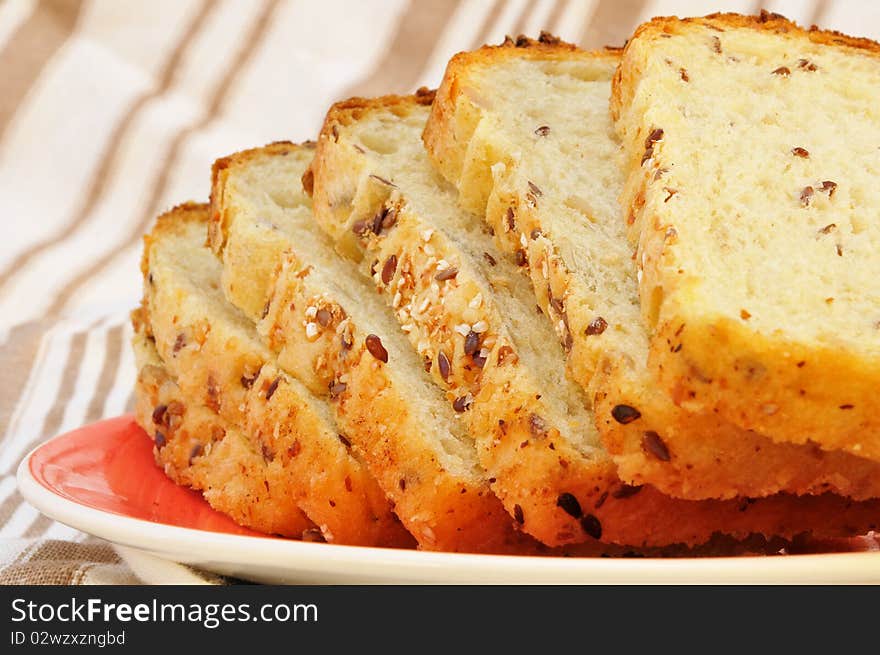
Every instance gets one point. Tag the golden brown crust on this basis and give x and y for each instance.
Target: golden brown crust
(197, 449)
(225, 371)
(700, 456)
(623, 84)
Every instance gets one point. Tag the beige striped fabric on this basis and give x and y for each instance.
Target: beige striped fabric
(111, 112)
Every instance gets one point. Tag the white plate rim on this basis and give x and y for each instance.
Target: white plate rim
(270, 560)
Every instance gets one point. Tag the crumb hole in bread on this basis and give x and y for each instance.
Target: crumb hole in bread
(375, 142)
(582, 206)
(656, 299)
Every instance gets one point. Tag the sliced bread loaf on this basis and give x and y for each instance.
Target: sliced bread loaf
(547, 180)
(329, 328)
(472, 318)
(753, 152)
(197, 449)
(219, 362)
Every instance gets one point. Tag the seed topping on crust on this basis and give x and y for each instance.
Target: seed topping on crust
(471, 343)
(443, 365)
(624, 414)
(375, 348)
(389, 268)
(626, 491)
(655, 445)
(446, 274)
(323, 316)
(569, 505)
(272, 388)
(462, 403)
(592, 526)
(159, 414)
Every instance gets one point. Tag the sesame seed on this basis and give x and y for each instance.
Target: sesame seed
(446, 273)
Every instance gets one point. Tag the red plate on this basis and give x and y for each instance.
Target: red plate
(102, 479)
(109, 466)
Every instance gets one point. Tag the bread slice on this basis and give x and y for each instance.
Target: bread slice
(219, 362)
(547, 180)
(758, 254)
(530, 424)
(197, 449)
(330, 330)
